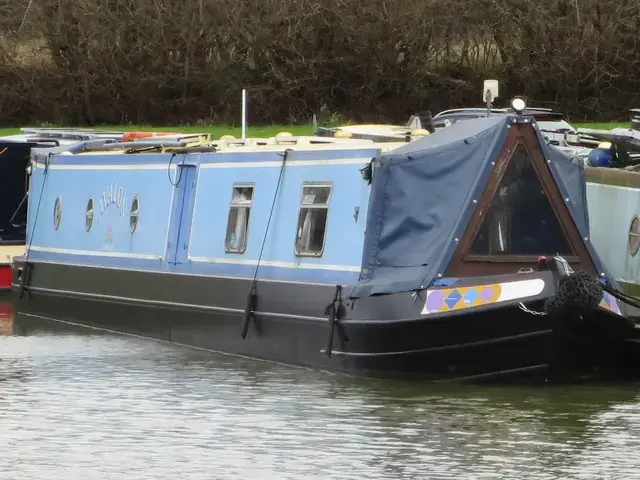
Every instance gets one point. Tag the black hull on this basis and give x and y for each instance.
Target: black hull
(289, 326)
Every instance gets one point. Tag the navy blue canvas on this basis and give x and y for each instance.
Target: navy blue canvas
(423, 196)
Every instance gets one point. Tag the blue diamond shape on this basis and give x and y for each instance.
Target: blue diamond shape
(471, 296)
(453, 298)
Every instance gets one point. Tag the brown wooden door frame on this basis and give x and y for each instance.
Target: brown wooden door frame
(465, 264)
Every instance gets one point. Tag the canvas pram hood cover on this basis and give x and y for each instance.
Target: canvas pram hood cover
(422, 199)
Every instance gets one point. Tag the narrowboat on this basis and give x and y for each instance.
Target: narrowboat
(613, 195)
(463, 255)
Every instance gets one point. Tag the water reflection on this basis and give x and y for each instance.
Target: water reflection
(6, 318)
(82, 403)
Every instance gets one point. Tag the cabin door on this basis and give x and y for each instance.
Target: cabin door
(181, 214)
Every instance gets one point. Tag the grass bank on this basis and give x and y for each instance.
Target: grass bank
(256, 131)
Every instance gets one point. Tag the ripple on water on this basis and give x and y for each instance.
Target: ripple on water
(76, 404)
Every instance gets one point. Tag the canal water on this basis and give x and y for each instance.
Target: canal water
(80, 403)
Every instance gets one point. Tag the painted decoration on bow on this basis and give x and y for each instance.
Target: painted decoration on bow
(608, 302)
(452, 299)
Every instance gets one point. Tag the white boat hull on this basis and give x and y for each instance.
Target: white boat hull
(613, 198)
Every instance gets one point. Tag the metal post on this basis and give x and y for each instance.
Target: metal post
(487, 98)
(244, 114)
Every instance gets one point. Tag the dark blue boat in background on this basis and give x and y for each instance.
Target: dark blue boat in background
(462, 255)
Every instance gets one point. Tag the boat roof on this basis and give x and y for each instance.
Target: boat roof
(425, 192)
(202, 144)
(59, 136)
(22, 138)
(541, 115)
(529, 111)
(624, 138)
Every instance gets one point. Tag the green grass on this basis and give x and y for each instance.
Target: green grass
(216, 131)
(256, 131)
(603, 125)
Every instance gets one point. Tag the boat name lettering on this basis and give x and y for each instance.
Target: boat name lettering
(113, 195)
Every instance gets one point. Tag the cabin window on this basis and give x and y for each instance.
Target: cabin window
(135, 212)
(520, 219)
(88, 221)
(312, 221)
(238, 223)
(57, 213)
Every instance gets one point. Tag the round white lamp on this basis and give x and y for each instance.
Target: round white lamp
(518, 104)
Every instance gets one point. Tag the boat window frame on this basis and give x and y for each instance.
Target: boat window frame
(134, 213)
(633, 249)
(57, 212)
(493, 189)
(89, 214)
(464, 263)
(243, 249)
(326, 206)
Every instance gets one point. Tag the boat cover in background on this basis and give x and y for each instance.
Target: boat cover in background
(14, 158)
(422, 199)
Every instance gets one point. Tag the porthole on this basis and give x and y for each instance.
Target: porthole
(57, 213)
(634, 235)
(88, 221)
(135, 209)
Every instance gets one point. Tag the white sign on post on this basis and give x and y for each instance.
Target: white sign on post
(489, 91)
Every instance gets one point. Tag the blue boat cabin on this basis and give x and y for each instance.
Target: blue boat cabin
(299, 212)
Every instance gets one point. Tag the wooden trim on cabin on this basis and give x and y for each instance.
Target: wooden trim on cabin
(612, 176)
(465, 264)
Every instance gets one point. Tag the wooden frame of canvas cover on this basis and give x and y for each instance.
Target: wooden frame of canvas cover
(465, 263)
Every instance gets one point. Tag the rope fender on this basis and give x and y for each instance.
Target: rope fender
(578, 291)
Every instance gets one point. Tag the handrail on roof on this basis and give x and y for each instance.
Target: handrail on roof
(69, 134)
(68, 130)
(493, 110)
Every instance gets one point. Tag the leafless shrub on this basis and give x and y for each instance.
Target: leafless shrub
(162, 61)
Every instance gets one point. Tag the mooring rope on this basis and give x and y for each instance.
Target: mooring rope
(580, 291)
(252, 297)
(26, 267)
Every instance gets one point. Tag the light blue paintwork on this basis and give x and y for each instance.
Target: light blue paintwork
(181, 218)
(76, 186)
(195, 212)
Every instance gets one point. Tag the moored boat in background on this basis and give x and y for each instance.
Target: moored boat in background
(461, 255)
